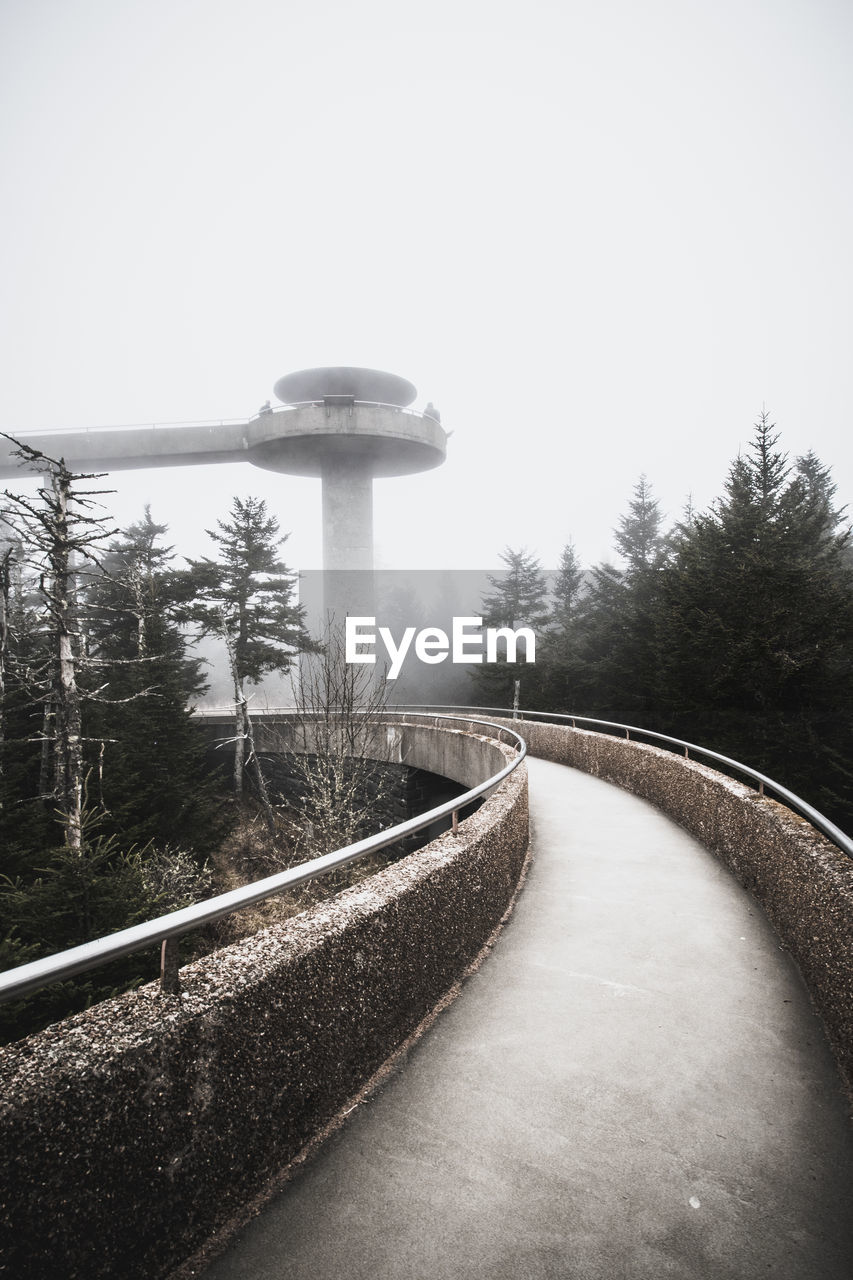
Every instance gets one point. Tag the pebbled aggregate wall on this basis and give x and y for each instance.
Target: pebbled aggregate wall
(134, 1130)
(802, 880)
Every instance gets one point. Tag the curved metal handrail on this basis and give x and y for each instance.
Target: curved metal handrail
(26, 978)
(795, 802)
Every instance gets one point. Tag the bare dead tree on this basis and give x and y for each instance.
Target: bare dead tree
(342, 748)
(245, 753)
(62, 534)
(9, 559)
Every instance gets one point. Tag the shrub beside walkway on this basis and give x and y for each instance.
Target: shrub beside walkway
(632, 1085)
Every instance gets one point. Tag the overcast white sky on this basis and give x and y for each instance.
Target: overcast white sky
(599, 236)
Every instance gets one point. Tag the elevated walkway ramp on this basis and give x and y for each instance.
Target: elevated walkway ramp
(632, 1085)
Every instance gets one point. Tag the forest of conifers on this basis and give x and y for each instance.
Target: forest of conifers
(733, 629)
(109, 804)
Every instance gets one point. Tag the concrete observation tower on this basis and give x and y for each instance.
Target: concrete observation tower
(347, 426)
(342, 425)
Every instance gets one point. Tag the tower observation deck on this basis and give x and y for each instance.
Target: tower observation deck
(343, 425)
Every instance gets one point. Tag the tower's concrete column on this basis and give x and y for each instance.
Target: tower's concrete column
(347, 426)
(347, 513)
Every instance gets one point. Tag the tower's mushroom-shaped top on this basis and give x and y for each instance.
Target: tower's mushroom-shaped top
(340, 417)
(361, 384)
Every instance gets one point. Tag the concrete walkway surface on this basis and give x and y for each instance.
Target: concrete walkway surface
(632, 1085)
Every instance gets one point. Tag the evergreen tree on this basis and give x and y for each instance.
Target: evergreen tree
(557, 658)
(638, 536)
(246, 597)
(568, 587)
(755, 629)
(73, 896)
(616, 668)
(519, 598)
(153, 781)
(520, 593)
(602, 676)
(819, 492)
(27, 807)
(70, 634)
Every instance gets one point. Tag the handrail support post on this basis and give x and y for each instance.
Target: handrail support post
(170, 963)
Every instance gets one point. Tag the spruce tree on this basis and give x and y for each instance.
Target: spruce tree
(755, 629)
(73, 664)
(246, 597)
(638, 536)
(557, 658)
(615, 651)
(153, 783)
(519, 598)
(568, 587)
(27, 806)
(602, 676)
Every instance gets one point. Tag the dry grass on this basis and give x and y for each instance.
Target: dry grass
(250, 852)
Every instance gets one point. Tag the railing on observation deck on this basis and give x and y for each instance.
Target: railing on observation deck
(807, 811)
(224, 422)
(166, 930)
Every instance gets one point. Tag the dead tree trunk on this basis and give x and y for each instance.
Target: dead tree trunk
(56, 528)
(68, 728)
(6, 556)
(245, 756)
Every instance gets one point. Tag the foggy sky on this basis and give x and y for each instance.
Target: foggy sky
(600, 237)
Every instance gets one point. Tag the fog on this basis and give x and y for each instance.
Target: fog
(598, 237)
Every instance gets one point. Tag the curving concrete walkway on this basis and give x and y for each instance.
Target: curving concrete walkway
(632, 1085)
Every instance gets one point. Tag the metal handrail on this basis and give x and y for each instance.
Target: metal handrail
(129, 426)
(795, 802)
(211, 422)
(26, 978)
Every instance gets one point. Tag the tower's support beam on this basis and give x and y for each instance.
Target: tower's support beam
(133, 448)
(343, 425)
